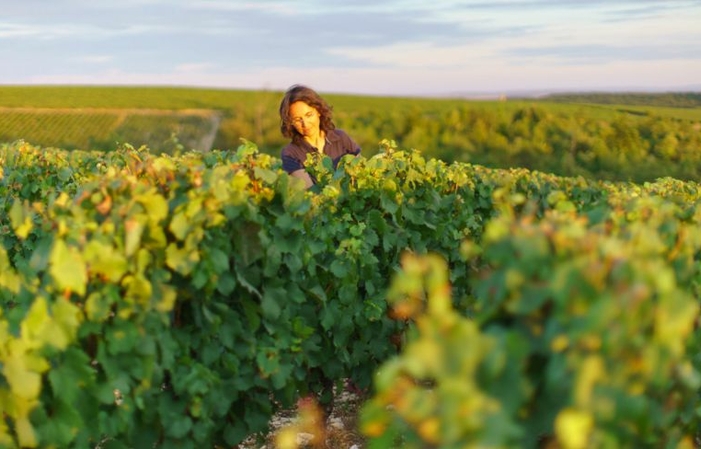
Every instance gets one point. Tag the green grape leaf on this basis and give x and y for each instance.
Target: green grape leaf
(270, 303)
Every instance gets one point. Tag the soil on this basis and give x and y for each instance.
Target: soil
(340, 429)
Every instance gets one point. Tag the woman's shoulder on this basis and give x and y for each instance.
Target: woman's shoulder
(291, 148)
(341, 139)
(339, 134)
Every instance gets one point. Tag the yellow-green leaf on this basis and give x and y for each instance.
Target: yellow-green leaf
(572, 428)
(21, 220)
(105, 260)
(168, 295)
(182, 260)
(67, 317)
(179, 226)
(155, 205)
(34, 323)
(25, 433)
(23, 382)
(133, 229)
(68, 268)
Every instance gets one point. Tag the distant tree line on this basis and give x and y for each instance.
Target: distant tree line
(667, 99)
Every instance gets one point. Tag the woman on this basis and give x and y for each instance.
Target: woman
(306, 119)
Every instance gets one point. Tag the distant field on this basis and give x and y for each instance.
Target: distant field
(267, 101)
(103, 128)
(124, 97)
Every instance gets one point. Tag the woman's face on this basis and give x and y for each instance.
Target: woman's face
(304, 118)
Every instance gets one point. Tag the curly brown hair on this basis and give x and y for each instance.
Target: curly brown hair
(307, 95)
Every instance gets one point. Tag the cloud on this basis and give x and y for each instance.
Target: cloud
(16, 30)
(415, 55)
(94, 59)
(74, 30)
(195, 67)
(267, 7)
(599, 54)
(38, 31)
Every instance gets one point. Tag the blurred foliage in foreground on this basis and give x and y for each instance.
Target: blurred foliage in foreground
(178, 301)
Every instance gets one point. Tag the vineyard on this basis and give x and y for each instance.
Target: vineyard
(180, 300)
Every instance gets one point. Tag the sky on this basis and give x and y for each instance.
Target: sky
(406, 48)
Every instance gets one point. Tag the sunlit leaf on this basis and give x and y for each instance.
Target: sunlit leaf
(67, 268)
